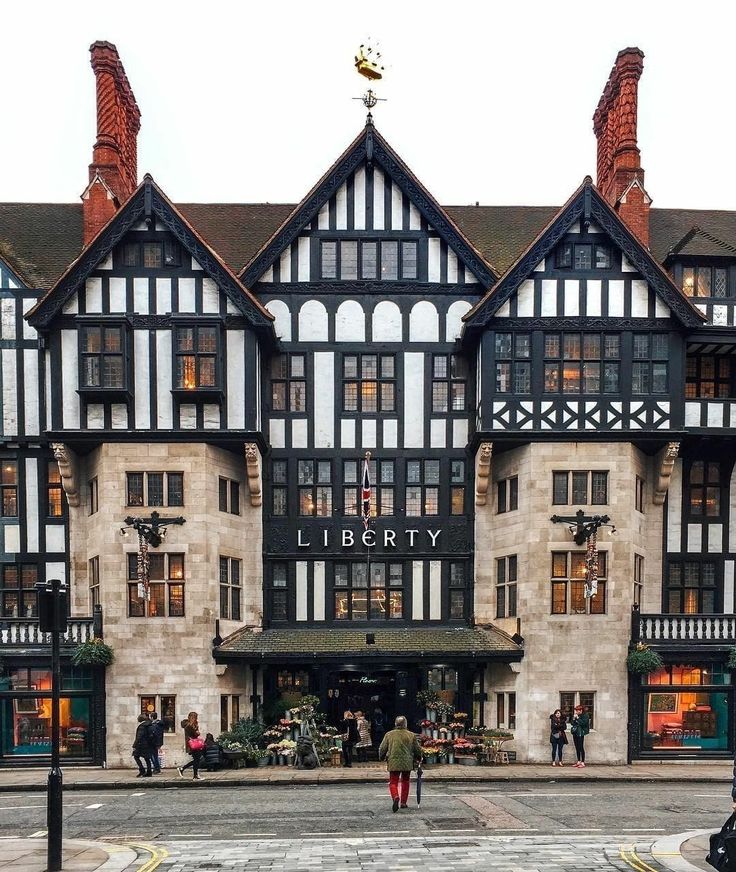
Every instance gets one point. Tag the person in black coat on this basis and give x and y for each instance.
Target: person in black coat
(212, 753)
(350, 736)
(378, 724)
(142, 746)
(156, 731)
(557, 736)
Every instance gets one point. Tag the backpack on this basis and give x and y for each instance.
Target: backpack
(722, 853)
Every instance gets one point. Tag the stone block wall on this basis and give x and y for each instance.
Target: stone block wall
(167, 655)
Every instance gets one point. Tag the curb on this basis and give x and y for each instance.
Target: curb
(119, 857)
(206, 784)
(667, 850)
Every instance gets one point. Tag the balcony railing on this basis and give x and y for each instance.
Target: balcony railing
(19, 633)
(664, 629)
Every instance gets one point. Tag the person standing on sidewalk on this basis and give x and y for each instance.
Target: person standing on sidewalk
(364, 732)
(350, 736)
(557, 735)
(142, 745)
(156, 730)
(580, 729)
(193, 744)
(400, 749)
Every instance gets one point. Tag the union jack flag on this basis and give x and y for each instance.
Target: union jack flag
(365, 495)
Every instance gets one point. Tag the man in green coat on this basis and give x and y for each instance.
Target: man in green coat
(400, 749)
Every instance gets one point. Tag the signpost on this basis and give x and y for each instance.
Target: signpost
(52, 612)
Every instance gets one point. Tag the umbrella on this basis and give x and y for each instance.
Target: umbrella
(419, 784)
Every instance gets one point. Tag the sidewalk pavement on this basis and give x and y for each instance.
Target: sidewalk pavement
(694, 850)
(29, 855)
(93, 778)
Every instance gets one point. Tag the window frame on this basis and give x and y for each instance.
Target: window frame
(586, 698)
(163, 586)
(103, 391)
(429, 489)
(352, 590)
(20, 590)
(158, 707)
(230, 489)
(644, 366)
(361, 381)
(288, 381)
(507, 574)
(283, 591)
(723, 385)
(319, 493)
(696, 563)
(93, 579)
(568, 584)
(9, 489)
(516, 356)
(197, 391)
(231, 588)
(507, 494)
(383, 487)
(560, 357)
(573, 478)
(166, 489)
(704, 489)
(406, 266)
(447, 383)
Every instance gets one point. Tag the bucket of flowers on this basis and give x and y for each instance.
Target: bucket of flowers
(430, 700)
(430, 753)
(466, 752)
(447, 750)
(426, 726)
(445, 711)
(273, 750)
(287, 748)
(335, 755)
(456, 729)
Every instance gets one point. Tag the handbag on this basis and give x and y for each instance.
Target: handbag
(196, 744)
(722, 853)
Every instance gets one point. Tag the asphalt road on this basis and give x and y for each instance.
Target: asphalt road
(363, 810)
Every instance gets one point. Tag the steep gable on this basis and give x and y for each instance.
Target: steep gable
(650, 294)
(369, 191)
(148, 206)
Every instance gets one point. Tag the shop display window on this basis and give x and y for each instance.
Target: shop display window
(25, 725)
(682, 711)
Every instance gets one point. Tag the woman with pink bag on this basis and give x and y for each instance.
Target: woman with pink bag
(193, 744)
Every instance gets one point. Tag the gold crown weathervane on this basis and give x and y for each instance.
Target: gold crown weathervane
(367, 64)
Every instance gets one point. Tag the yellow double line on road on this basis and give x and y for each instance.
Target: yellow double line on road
(157, 855)
(632, 859)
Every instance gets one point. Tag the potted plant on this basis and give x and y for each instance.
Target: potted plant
(273, 751)
(263, 757)
(430, 700)
(731, 662)
(643, 661)
(465, 752)
(95, 652)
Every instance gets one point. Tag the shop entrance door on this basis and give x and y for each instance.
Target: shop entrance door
(373, 692)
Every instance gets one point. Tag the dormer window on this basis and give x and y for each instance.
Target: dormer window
(705, 281)
(582, 256)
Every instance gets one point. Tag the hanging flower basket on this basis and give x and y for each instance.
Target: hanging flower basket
(731, 662)
(643, 661)
(93, 653)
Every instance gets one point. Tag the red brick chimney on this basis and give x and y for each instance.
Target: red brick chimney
(620, 175)
(113, 173)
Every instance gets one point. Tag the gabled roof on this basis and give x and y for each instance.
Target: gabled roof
(699, 243)
(369, 146)
(586, 204)
(148, 199)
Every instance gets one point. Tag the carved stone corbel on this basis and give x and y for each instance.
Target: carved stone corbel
(66, 460)
(664, 464)
(482, 472)
(253, 467)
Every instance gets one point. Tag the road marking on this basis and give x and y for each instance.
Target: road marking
(37, 835)
(252, 835)
(583, 830)
(17, 807)
(383, 832)
(95, 805)
(334, 833)
(448, 830)
(633, 860)
(642, 830)
(157, 855)
(188, 836)
(710, 795)
(544, 793)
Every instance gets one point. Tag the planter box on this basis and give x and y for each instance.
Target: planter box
(467, 761)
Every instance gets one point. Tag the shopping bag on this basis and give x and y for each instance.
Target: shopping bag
(722, 853)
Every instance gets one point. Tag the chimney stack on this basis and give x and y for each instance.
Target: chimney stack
(620, 175)
(113, 173)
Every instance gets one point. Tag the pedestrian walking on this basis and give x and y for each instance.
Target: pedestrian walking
(580, 728)
(142, 745)
(557, 736)
(350, 737)
(400, 749)
(156, 729)
(212, 753)
(364, 737)
(193, 744)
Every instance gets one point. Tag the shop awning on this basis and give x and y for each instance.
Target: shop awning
(427, 644)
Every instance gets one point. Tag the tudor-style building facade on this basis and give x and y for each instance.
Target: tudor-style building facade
(235, 366)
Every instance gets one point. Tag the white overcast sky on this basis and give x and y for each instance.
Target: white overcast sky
(488, 102)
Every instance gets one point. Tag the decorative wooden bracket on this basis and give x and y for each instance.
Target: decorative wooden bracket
(665, 462)
(253, 467)
(66, 460)
(482, 472)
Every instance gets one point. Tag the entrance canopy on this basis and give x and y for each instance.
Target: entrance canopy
(423, 644)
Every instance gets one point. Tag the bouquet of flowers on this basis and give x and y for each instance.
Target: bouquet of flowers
(232, 745)
(464, 746)
(461, 716)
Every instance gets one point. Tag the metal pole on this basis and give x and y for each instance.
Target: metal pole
(55, 787)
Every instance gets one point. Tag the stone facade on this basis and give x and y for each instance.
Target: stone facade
(568, 652)
(167, 655)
